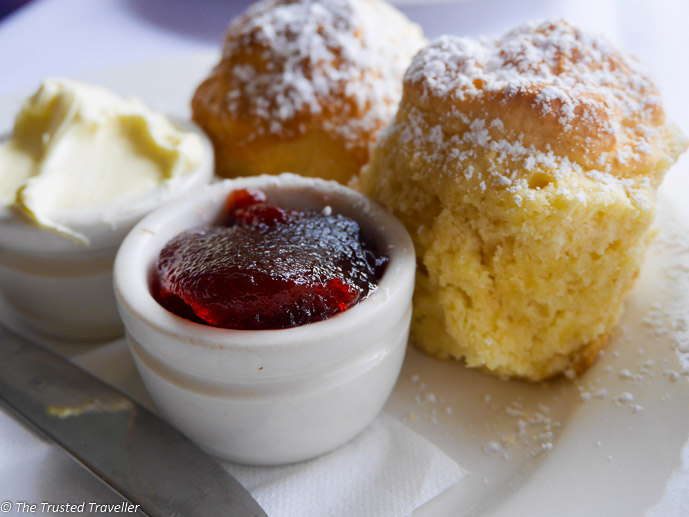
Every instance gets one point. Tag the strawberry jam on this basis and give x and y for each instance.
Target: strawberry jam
(266, 267)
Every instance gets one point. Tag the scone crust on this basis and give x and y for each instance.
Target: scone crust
(526, 171)
(551, 87)
(305, 86)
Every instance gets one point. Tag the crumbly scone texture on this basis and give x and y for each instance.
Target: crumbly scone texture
(526, 169)
(305, 86)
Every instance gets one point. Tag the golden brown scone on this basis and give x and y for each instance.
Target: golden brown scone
(526, 169)
(305, 85)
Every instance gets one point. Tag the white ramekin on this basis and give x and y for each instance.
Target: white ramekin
(268, 397)
(56, 287)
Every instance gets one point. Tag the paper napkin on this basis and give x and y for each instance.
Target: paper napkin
(386, 471)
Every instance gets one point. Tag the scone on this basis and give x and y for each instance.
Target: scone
(526, 168)
(305, 85)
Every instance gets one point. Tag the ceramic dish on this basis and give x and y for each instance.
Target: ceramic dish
(63, 289)
(269, 396)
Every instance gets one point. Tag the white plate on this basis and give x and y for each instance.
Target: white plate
(608, 457)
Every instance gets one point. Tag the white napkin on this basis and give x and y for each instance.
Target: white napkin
(675, 500)
(387, 471)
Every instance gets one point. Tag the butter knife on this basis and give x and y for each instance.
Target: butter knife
(140, 456)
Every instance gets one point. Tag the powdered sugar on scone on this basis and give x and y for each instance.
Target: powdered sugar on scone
(575, 104)
(340, 61)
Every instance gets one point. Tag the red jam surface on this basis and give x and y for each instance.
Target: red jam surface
(266, 267)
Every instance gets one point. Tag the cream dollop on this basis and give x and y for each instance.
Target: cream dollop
(77, 147)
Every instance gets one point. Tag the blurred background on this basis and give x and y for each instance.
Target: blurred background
(7, 6)
(39, 38)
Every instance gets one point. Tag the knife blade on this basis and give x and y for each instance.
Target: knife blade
(144, 459)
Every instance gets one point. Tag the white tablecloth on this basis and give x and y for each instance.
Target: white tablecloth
(71, 37)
